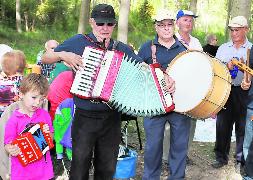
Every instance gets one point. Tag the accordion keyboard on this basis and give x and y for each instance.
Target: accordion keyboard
(84, 80)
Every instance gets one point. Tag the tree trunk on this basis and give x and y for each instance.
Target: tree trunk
(26, 22)
(123, 21)
(193, 6)
(229, 4)
(84, 16)
(241, 8)
(18, 17)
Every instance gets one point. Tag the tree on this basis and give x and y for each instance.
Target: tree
(123, 20)
(18, 16)
(193, 6)
(84, 16)
(238, 8)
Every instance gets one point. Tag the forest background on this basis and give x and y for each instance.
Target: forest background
(28, 24)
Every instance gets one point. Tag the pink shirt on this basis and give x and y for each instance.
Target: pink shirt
(39, 170)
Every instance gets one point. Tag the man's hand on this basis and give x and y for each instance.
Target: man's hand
(230, 65)
(72, 59)
(170, 83)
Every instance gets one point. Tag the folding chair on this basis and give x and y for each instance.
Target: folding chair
(127, 118)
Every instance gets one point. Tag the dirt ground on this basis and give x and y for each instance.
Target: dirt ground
(202, 156)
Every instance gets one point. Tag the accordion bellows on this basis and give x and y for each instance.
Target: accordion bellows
(134, 88)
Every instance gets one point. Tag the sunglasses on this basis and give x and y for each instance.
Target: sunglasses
(102, 24)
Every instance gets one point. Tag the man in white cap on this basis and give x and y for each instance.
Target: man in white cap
(163, 49)
(236, 106)
(185, 20)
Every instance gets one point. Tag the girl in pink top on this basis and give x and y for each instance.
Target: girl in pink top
(33, 90)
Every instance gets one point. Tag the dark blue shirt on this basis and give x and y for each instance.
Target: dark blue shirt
(163, 55)
(250, 95)
(76, 44)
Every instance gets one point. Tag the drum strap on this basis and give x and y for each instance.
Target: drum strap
(153, 52)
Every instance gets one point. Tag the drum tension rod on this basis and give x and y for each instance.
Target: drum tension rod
(223, 78)
(214, 103)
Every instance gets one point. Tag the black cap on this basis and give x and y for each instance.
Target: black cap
(103, 13)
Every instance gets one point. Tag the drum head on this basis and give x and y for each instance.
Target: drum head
(192, 72)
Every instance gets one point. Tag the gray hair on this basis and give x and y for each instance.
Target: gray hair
(209, 38)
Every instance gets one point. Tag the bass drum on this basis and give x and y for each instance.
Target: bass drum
(202, 83)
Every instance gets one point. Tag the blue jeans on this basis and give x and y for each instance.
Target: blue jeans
(179, 136)
(248, 130)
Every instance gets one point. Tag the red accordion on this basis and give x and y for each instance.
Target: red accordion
(33, 143)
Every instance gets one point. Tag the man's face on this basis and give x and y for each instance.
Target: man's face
(185, 24)
(238, 34)
(165, 28)
(102, 30)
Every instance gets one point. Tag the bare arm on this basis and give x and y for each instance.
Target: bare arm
(13, 150)
(72, 59)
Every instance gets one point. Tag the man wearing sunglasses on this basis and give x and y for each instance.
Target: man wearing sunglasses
(96, 128)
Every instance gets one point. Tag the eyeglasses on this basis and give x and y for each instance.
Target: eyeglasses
(102, 24)
(165, 25)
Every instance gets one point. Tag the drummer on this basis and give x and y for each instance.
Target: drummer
(235, 112)
(163, 49)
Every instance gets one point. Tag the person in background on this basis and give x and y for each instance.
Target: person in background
(33, 90)
(50, 45)
(163, 49)
(184, 22)
(248, 137)
(236, 105)
(10, 77)
(59, 90)
(4, 49)
(211, 45)
(96, 128)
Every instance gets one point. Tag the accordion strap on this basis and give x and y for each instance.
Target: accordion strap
(153, 52)
(115, 43)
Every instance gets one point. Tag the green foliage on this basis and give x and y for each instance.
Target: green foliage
(140, 21)
(31, 42)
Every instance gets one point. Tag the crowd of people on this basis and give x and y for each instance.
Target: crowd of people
(91, 130)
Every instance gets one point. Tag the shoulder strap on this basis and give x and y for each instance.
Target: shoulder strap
(115, 44)
(92, 41)
(153, 52)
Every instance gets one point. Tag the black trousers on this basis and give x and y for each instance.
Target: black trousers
(249, 161)
(99, 133)
(235, 113)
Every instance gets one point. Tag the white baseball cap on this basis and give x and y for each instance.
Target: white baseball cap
(163, 14)
(238, 21)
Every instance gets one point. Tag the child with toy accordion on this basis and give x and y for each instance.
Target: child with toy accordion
(33, 90)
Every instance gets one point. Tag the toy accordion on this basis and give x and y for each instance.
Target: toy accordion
(33, 143)
(133, 88)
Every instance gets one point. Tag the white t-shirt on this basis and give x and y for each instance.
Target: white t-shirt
(193, 45)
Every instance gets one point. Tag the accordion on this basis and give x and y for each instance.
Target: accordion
(134, 88)
(33, 143)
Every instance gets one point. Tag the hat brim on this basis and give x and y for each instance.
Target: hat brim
(233, 25)
(105, 20)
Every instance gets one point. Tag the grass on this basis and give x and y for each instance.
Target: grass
(30, 42)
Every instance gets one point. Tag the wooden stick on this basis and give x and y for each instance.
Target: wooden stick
(247, 63)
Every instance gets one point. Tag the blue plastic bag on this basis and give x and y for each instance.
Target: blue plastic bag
(126, 166)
